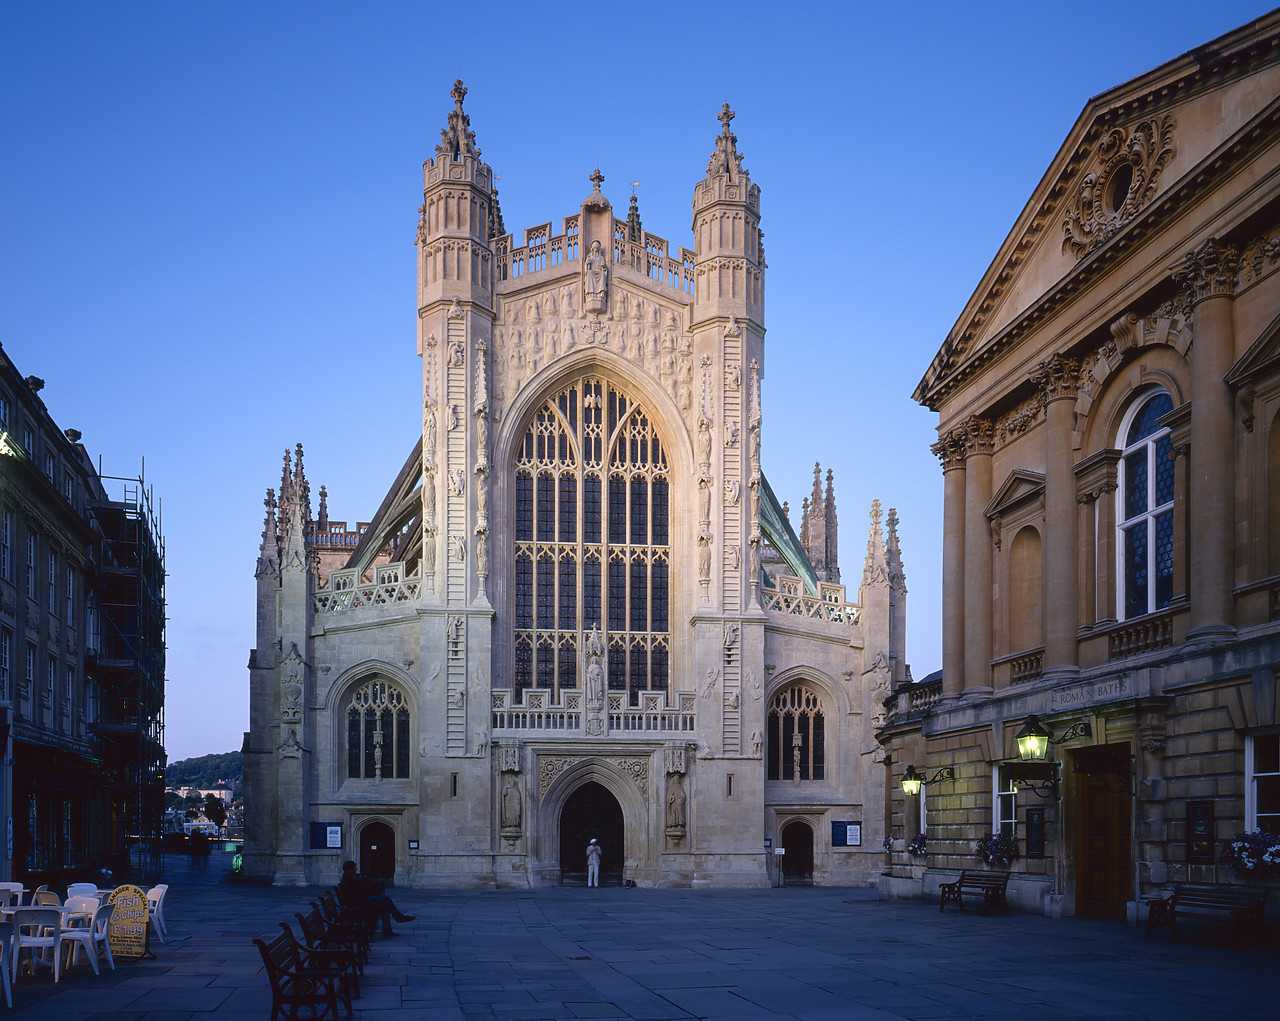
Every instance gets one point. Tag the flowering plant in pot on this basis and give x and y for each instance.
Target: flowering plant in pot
(1255, 855)
(999, 849)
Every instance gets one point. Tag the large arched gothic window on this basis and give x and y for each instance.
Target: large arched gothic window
(378, 732)
(1144, 511)
(592, 542)
(797, 738)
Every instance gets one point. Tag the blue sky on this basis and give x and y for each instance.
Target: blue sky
(210, 210)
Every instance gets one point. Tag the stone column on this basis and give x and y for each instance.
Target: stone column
(950, 451)
(1210, 275)
(1095, 493)
(978, 591)
(1058, 378)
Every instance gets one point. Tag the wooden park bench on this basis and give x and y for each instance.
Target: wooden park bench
(990, 884)
(299, 993)
(1241, 905)
(340, 959)
(321, 935)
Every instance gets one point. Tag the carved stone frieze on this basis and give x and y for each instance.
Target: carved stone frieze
(1123, 179)
(1021, 418)
(550, 767)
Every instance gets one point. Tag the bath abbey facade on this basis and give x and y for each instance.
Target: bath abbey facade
(579, 611)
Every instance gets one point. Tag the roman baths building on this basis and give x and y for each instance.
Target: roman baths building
(1109, 436)
(579, 610)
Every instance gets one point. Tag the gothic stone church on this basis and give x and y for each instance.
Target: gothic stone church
(579, 610)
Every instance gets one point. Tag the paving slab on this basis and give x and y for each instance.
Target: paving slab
(670, 955)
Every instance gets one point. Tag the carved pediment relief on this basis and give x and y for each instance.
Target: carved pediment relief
(1120, 181)
(1261, 360)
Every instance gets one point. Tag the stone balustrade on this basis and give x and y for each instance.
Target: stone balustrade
(347, 592)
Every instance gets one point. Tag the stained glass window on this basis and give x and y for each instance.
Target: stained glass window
(591, 550)
(378, 741)
(1145, 509)
(796, 724)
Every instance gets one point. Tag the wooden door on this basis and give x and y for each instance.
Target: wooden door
(1103, 835)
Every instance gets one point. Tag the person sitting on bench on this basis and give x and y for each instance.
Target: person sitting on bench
(370, 896)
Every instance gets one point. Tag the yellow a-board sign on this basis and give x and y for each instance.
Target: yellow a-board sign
(128, 931)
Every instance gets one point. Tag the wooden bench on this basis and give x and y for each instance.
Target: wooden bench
(1242, 905)
(990, 884)
(298, 993)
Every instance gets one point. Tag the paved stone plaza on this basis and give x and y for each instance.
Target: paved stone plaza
(806, 953)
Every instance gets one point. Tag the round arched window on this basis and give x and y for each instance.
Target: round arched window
(1144, 508)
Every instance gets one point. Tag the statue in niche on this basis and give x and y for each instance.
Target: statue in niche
(731, 434)
(795, 757)
(567, 339)
(429, 434)
(429, 495)
(595, 285)
(482, 496)
(732, 490)
(457, 482)
(732, 376)
(482, 439)
(704, 439)
(676, 802)
(566, 301)
(511, 808)
(429, 553)
(704, 555)
(456, 356)
(704, 497)
(595, 672)
(482, 556)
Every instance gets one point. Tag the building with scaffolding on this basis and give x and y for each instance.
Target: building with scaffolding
(82, 652)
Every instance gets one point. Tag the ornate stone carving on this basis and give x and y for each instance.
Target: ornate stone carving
(979, 434)
(511, 809)
(676, 806)
(951, 449)
(595, 280)
(292, 670)
(676, 757)
(709, 689)
(1209, 271)
(1123, 180)
(1058, 378)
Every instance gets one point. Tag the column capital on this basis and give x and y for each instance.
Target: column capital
(1209, 271)
(951, 449)
(1058, 378)
(979, 435)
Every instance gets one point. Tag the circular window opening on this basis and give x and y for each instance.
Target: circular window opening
(1118, 188)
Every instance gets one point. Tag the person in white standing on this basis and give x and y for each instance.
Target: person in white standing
(593, 862)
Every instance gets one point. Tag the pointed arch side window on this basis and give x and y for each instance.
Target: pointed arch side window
(797, 735)
(378, 741)
(591, 550)
(1144, 508)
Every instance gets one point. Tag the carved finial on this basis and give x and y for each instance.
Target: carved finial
(726, 116)
(496, 227)
(596, 180)
(634, 229)
(892, 554)
(323, 521)
(457, 139)
(726, 159)
(874, 569)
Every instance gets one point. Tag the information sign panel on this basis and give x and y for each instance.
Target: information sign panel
(128, 931)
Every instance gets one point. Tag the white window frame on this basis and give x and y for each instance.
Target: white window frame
(1251, 778)
(31, 564)
(1004, 804)
(53, 583)
(1152, 512)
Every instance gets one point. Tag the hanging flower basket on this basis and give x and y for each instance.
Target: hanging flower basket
(918, 848)
(998, 850)
(1253, 855)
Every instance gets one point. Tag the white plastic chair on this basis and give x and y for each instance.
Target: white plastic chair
(79, 912)
(38, 929)
(44, 897)
(6, 937)
(92, 938)
(17, 890)
(155, 910)
(82, 890)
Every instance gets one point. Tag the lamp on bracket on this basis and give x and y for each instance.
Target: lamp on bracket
(913, 781)
(1033, 742)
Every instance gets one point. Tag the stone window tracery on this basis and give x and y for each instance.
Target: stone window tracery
(1144, 508)
(378, 741)
(592, 547)
(797, 735)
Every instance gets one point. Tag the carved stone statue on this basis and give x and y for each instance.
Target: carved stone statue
(732, 490)
(482, 555)
(595, 282)
(755, 743)
(704, 439)
(676, 801)
(704, 555)
(429, 434)
(511, 808)
(457, 482)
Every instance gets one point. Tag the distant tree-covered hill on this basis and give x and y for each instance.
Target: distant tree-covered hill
(205, 770)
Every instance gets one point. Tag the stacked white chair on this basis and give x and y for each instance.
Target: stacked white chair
(38, 929)
(155, 909)
(82, 890)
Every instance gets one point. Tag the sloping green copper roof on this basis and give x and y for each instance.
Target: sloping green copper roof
(778, 533)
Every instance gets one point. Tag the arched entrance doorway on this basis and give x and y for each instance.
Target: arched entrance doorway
(378, 851)
(797, 863)
(591, 811)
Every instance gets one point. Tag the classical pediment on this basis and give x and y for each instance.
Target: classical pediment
(1119, 174)
(1261, 360)
(1019, 489)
